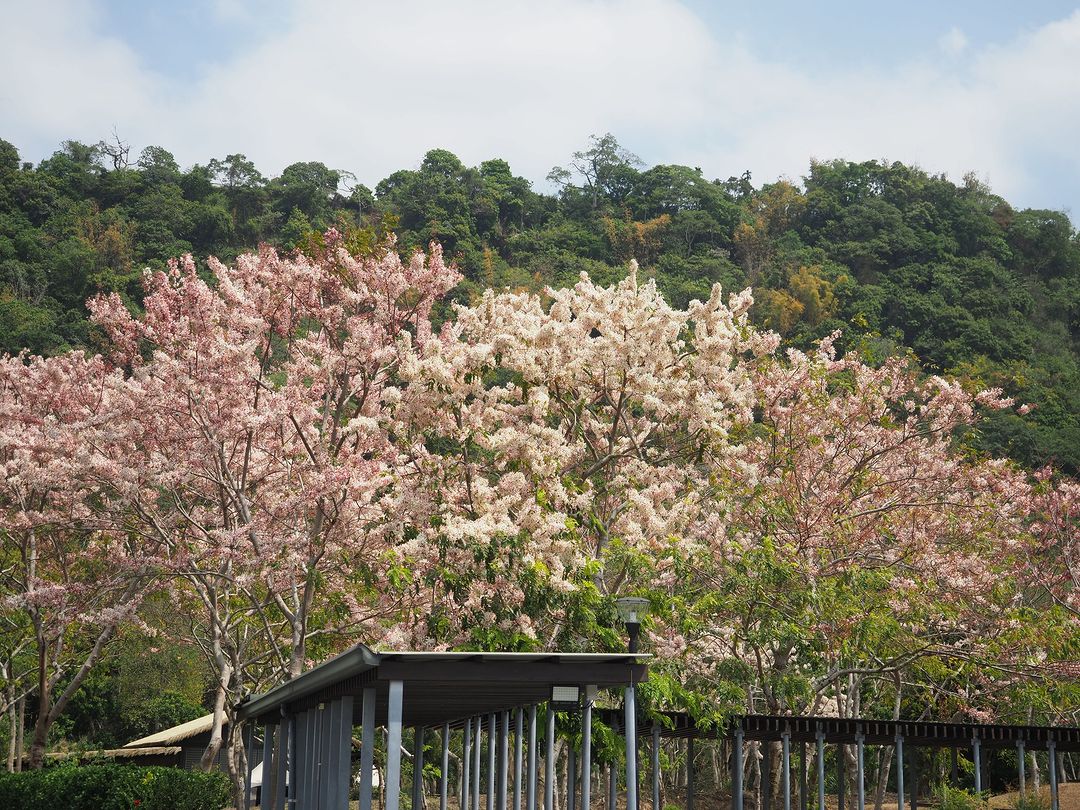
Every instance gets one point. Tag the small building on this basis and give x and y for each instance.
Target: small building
(180, 746)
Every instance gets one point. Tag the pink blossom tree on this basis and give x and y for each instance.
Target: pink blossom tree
(555, 439)
(73, 569)
(255, 429)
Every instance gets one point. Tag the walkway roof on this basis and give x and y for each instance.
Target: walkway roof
(445, 687)
(918, 733)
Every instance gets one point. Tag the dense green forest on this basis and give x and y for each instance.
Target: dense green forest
(898, 259)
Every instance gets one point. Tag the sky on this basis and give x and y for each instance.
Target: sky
(989, 87)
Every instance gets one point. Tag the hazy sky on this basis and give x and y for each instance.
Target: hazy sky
(989, 86)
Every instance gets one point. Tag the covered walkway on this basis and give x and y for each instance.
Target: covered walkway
(308, 723)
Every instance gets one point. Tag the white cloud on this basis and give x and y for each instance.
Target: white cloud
(954, 42)
(371, 86)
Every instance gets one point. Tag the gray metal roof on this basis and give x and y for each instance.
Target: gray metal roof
(446, 686)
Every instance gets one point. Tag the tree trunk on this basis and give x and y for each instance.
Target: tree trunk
(13, 720)
(214, 745)
(21, 731)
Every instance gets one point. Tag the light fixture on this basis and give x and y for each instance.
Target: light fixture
(632, 611)
(565, 698)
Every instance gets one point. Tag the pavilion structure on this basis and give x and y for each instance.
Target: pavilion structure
(308, 723)
(500, 710)
(796, 734)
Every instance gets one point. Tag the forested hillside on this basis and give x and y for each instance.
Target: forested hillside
(898, 259)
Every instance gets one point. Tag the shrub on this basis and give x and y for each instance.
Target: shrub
(1032, 801)
(111, 786)
(950, 798)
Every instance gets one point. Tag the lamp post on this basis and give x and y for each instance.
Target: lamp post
(632, 610)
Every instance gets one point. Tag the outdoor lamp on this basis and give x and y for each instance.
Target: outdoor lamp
(632, 611)
(565, 698)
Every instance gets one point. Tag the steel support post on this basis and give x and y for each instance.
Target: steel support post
(466, 764)
(586, 752)
(299, 777)
(519, 755)
(418, 768)
(289, 793)
(331, 775)
(269, 732)
(1051, 755)
(630, 726)
(325, 757)
(954, 768)
(444, 768)
(283, 758)
(393, 745)
(342, 761)
(549, 761)
(976, 756)
(860, 771)
(478, 730)
(504, 753)
(737, 771)
(312, 786)
(530, 777)
(493, 739)
(367, 747)
(785, 768)
(1020, 766)
(819, 737)
(899, 772)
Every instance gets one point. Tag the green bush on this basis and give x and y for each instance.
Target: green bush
(1032, 801)
(950, 798)
(113, 787)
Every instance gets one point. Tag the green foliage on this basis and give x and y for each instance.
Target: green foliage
(950, 798)
(113, 787)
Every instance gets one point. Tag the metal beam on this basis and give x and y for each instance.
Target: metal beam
(341, 761)
(1020, 765)
(586, 750)
(549, 761)
(282, 757)
(530, 778)
(899, 772)
(1051, 750)
(444, 768)
(785, 768)
(976, 756)
(478, 728)
(821, 769)
(737, 771)
(267, 788)
(630, 727)
(466, 763)
(493, 737)
(860, 778)
(393, 745)
(504, 755)
(367, 747)
(519, 754)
